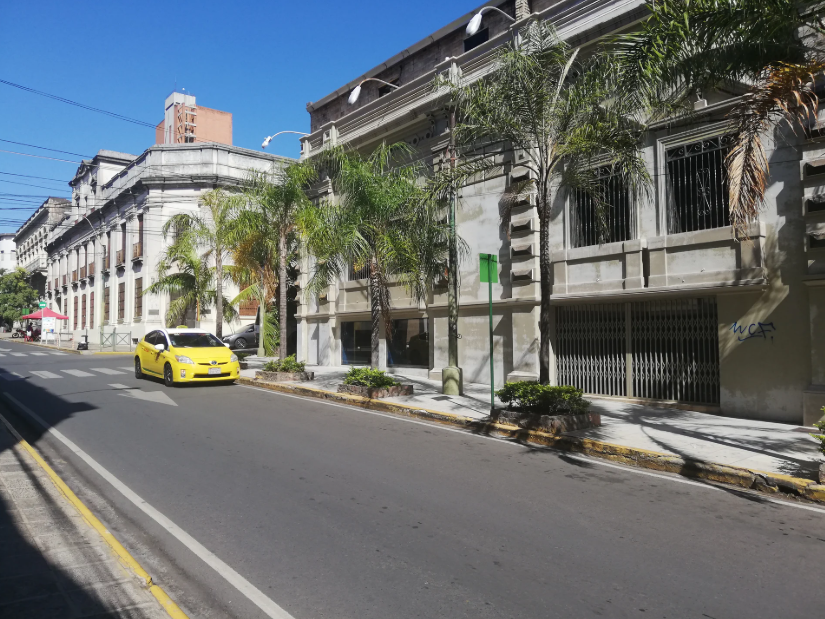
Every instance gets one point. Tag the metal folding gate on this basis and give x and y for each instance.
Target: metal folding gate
(671, 347)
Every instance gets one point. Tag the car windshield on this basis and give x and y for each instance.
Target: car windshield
(195, 340)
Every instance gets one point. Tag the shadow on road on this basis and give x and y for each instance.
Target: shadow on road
(40, 539)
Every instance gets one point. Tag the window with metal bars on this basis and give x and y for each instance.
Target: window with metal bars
(83, 312)
(357, 272)
(602, 215)
(107, 304)
(138, 298)
(74, 318)
(121, 301)
(697, 185)
(91, 310)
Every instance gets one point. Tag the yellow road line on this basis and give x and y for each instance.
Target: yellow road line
(127, 559)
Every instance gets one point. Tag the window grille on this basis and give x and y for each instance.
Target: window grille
(591, 347)
(357, 272)
(91, 310)
(107, 304)
(83, 312)
(675, 347)
(591, 224)
(138, 298)
(121, 301)
(697, 185)
(74, 318)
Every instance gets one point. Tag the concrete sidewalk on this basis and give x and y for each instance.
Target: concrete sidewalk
(758, 445)
(52, 562)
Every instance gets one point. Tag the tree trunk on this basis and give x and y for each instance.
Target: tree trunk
(282, 319)
(545, 269)
(219, 294)
(375, 311)
(261, 316)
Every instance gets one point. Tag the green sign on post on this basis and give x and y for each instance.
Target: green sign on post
(488, 269)
(41, 305)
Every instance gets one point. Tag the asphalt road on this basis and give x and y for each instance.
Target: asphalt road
(336, 512)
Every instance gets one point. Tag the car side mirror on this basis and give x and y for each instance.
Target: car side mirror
(160, 347)
(227, 345)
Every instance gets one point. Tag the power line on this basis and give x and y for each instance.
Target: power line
(65, 152)
(42, 178)
(3, 180)
(80, 105)
(39, 156)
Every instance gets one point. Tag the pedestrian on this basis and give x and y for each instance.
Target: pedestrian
(29, 332)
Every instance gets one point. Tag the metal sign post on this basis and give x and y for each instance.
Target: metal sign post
(488, 270)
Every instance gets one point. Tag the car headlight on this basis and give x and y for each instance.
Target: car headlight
(184, 359)
(233, 358)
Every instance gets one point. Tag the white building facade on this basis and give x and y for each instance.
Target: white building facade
(672, 307)
(8, 251)
(105, 252)
(30, 242)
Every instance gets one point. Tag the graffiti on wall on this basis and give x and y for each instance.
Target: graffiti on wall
(762, 330)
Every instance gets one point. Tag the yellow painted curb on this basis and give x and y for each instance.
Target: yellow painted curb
(633, 456)
(127, 559)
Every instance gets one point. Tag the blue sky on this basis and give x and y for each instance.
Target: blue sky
(262, 61)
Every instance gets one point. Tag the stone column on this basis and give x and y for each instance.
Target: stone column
(522, 9)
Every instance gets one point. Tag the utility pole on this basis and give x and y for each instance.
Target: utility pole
(451, 378)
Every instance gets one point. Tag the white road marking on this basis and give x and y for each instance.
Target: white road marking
(255, 595)
(19, 354)
(45, 374)
(127, 368)
(11, 376)
(40, 354)
(106, 370)
(150, 396)
(119, 386)
(57, 353)
(78, 373)
(626, 469)
(5, 349)
(2, 354)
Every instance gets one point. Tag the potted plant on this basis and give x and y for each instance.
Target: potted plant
(552, 409)
(372, 384)
(287, 370)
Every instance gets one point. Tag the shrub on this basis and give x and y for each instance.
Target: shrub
(532, 397)
(368, 377)
(821, 437)
(289, 365)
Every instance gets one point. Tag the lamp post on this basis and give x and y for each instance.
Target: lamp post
(268, 139)
(356, 92)
(475, 22)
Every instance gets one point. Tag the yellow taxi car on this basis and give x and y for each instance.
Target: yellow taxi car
(185, 356)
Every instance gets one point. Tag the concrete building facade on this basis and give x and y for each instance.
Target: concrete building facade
(186, 122)
(672, 307)
(30, 242)
(8, 251)
(105, 252)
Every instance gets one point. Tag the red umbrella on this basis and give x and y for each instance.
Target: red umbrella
(45, 313)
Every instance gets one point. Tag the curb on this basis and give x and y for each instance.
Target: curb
(769, 483)
(172, 609)
(72, 351)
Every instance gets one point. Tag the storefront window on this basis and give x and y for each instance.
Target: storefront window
(410, 344)
(355, 343)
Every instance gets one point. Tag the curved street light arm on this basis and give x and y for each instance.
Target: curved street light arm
(268, 139)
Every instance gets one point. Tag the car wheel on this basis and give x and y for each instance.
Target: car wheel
(138, 369)
(240, 343)
(168, 376)
(15, 334)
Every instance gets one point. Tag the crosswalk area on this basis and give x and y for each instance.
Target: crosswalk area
(46, 375)
(7, 353)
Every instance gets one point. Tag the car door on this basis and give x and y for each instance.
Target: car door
(146, 351)
(161, 356)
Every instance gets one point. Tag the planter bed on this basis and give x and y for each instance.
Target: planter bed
(375, 393)
(552, 424)
(284, 377)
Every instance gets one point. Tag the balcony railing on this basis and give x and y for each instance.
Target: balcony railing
(82, 273)
(137, 251)
(119, 258)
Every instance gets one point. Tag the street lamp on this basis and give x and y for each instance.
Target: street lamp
(268, 139)
(475, 22)
(356, 92)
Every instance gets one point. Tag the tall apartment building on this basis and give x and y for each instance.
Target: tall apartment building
(185, 122)
(671, 307)
(8, 251)
(30, 242)
(105, 251)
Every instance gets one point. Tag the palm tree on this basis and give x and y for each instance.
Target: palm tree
(210, 231)
(193, 280)
(542, 101)
(381, 219)
(266, 233)
(690, 47)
